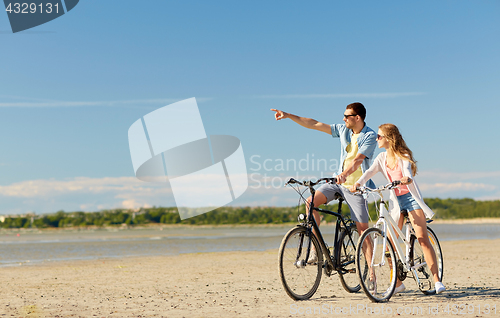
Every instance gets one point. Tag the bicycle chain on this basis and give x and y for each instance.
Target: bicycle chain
(401, 271)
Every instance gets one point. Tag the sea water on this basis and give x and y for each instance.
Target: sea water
(35, 246)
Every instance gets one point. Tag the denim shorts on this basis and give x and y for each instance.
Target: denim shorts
(408, 203)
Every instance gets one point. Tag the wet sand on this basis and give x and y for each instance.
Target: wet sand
(231, 284)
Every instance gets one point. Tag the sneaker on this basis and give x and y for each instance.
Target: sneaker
(313, 258)
(440, 288)
(372, 286)
(401, 288)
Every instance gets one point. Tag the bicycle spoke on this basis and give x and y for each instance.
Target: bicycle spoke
(300, 279)
(437, 249)
(420, 266)
(376, 265)
(347, 256)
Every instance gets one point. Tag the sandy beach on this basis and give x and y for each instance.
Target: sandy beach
(231, 284)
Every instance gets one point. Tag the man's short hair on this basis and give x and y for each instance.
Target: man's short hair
(358, 108)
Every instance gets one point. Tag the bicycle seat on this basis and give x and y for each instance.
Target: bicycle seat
(338, 196)
(405, 213)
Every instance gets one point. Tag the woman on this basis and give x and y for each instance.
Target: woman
(397, 163)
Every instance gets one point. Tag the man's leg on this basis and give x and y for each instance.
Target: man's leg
(359, 213)
(323, 195)
(359, 209)
(361, 227)
(319, 199)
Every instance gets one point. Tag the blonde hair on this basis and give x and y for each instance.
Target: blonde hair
(398, 145)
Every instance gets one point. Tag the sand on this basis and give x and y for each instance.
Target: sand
(235, 284)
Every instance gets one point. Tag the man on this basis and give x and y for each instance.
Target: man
(358, 143)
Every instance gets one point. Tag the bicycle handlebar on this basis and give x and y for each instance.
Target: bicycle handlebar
(388, 186)
(310, 183)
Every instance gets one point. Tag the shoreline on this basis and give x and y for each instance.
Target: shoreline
(467, 221)
(156, 226)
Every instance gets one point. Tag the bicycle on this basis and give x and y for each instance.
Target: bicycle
(300, 276)
(379, 284)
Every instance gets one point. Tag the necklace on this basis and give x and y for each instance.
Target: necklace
(391, 163)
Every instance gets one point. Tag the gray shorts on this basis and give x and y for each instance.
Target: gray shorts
(357, 204)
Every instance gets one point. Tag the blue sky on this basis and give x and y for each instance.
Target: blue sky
(71, 88)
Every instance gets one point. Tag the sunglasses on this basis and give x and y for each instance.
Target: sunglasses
(379, 136)
(347, 116)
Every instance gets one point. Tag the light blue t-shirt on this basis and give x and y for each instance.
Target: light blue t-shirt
(367, 142)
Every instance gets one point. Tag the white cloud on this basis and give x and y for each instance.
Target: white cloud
(477, 185)
(354, 95)
(446, 176)
(134, 204)
(495, 196)
(458, 186)
(54, 103)
(52, 187)
(91, 194)
(83, 194)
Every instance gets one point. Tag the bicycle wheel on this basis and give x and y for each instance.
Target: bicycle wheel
(439, 253)
(424, 277)
(300, 279)
(346, 256)
(376, 266)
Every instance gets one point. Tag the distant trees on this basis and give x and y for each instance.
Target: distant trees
(16, 222)
(444, 209)
(463, 208)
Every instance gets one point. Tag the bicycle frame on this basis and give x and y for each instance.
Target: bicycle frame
(400, 259)
(385, 218)
(315, 228)
(300, 270)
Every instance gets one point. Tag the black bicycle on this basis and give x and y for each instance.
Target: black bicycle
(303, 256)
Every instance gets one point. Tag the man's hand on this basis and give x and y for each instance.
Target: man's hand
(341, 178)
(279, 114)
(352, 167)
(303, 121)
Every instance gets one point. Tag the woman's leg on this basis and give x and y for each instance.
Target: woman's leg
(417, 219)
(400, 225)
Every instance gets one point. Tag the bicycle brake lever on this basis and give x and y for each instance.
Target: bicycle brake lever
(362, 190)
